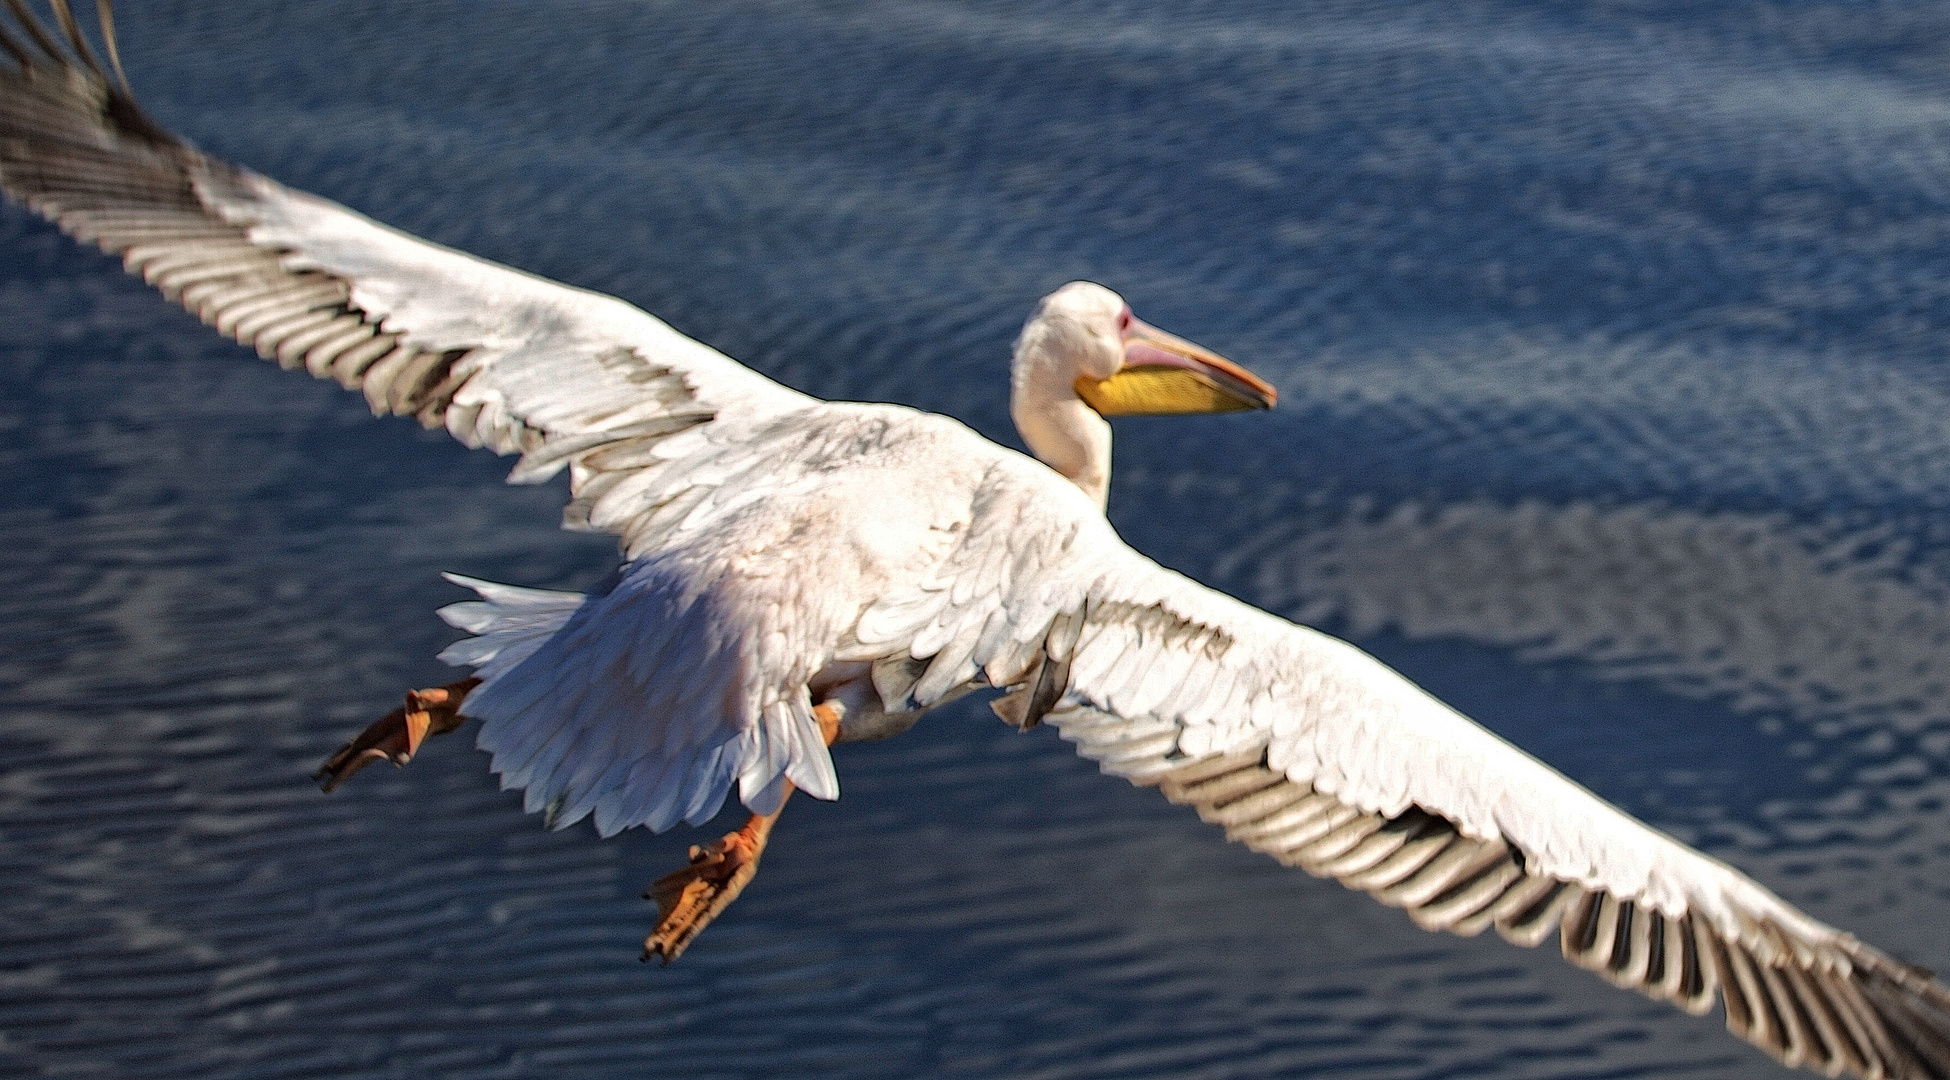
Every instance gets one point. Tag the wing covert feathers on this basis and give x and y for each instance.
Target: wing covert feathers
(500, 358)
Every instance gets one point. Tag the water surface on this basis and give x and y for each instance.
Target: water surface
(1610, 340)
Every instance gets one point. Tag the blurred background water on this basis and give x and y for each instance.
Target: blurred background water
(1610, 339)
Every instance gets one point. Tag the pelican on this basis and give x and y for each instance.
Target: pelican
(797, 573)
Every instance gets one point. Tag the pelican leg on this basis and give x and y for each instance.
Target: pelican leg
(688, 899)
(396, 737)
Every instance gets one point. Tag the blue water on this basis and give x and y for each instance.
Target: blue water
(1611, 341)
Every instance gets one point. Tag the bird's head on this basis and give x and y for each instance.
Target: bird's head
(1082, 355)
(1084, 336)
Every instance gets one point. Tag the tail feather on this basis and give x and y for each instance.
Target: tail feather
(508, 623)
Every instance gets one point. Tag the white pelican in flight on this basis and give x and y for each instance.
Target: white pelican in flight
(799, 572)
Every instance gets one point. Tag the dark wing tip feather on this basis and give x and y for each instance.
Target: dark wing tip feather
(1838, 1007)
(1914, 1006)
(77, 149)
(106, 9)
(71, 29)
(128, 118)
(36, 32)
(22, 60)
(37, 55)
(64, 15)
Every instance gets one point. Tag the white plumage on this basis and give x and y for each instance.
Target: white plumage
(782, 551)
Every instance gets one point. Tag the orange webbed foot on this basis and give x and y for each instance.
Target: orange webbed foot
(688, 899)
(396, 737)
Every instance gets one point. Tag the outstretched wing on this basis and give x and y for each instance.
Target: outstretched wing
(1308, 749)
(500, 358)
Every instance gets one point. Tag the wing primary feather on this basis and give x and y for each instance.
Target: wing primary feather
(1672, 974)
(1246, 780)
(1923, 1036)
(1859, 1016)
(1256, 807)
(178, 270)
(1758, 1024)
(1290, 845)
(1528, 915)
(1335, 842)
(289, 345)
(434, 403)
(105, 11)
(119, 239)
(36, 30)
(204, 297)
(1376, 848)
(1841, 1053)
(295, 351)
(407, 382)
(1805, 1044)
(14, 49)
(1525, 903)
(1612, 913)
(1184, 776)
(1869, 1001)
(1741, 1019)
(1902, 1047)
(1460, 861)
(379, 377)
(1428, 839)
(1653, 975)
(1703, 969)
(1789, 1038)
(1631, 956)
(1580, 926)
(304, 291)
(352, 356)
(227, 281)
(111, 228)
(65, 16)
(1269, 833)
(266, 331)
(1464, 909)
(1637, 946)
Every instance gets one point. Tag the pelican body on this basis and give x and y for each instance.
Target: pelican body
(798, 572)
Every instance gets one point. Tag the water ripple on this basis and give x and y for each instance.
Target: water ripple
(1609, 341)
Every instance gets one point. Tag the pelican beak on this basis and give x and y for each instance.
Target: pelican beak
(1165, 376)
